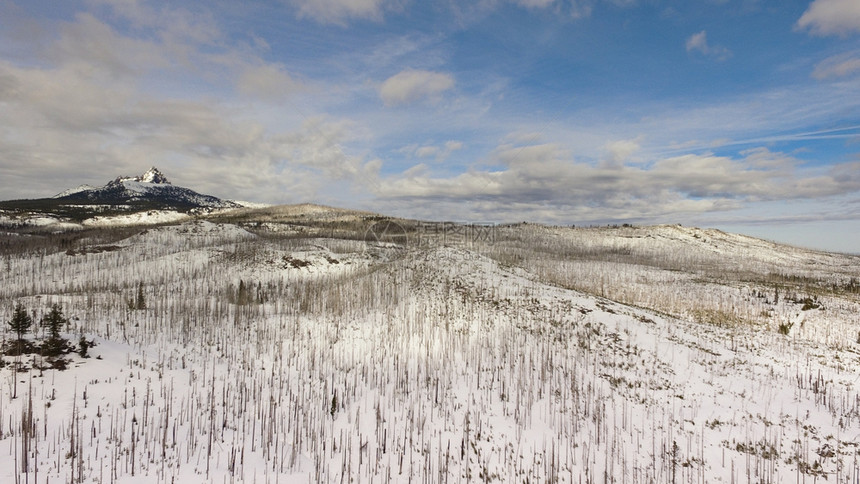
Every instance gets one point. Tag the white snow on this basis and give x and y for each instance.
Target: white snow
(337, 361)
(153, 175)
(139, 187)
(150, 217)
(72, 191)
(246, 204)
(32, 220)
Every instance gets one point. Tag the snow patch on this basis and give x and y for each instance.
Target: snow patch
(151, 217)
(71, 191)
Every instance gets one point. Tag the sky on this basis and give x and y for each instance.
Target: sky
(742, 115)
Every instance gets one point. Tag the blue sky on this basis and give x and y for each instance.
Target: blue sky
(735, 114)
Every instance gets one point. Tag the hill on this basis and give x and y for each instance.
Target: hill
(307, 343)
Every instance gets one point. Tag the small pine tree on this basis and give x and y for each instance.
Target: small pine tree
(21, 321)
(674, 455)
(242, 297)
(53, 322)
(140, 303)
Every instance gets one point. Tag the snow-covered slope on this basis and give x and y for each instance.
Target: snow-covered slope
(703, 275)
(246, 204)
(72, 191)
(266, 358)
(149, 217)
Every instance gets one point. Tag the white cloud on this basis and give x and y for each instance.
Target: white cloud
(440, 153)
(575, 8)
(318, 145)
(339, 11)
(544, 182)
(453, 146)
(837, 66)
(268, 82)
(580, 8)
(394, 50)
(91, 44)
(534, 3)
(176, 26)
(831, 17)
(699, 43)
(523, 137)
(620, 151)
(427, 151)
(410, 85)
(623, 3)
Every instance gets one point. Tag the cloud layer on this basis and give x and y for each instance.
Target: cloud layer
(341, 11)
(411, 85)
(837, 66)
(698, 43)
(831, 17)
(537, 178)
(499, 110)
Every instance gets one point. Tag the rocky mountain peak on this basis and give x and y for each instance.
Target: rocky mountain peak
(153, 175)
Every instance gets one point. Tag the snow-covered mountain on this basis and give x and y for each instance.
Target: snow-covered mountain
(151, 187)
(145, 199)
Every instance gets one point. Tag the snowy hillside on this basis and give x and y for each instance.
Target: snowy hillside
(285, 345)
(703, 275)
(72, 191)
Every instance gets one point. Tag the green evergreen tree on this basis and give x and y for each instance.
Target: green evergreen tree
(21, 321)
(53, 322)
(141, 300)
(242, 298)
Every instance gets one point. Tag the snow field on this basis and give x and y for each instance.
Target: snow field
(388, 365)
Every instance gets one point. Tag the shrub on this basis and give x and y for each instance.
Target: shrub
(84, 347)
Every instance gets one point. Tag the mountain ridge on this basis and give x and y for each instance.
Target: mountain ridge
(148, 192)
(152, 186)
